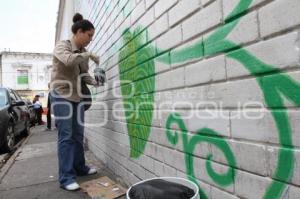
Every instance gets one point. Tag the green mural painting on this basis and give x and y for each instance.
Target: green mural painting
(274, 87)
(202, 135)
(136, 64)
(137, 86)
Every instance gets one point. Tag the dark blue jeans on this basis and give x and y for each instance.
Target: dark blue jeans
(69, 118)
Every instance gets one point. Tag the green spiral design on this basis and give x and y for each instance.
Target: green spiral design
(274, 88)
(202, 135)
(137, 86)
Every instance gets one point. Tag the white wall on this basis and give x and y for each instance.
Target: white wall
(229, 72)
(67, 20)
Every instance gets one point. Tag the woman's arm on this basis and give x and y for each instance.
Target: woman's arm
(63, 53)
(85, 76)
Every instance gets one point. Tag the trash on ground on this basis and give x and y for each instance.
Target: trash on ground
(103, 188)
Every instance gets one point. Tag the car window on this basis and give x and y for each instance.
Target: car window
(12, 96)
(3, 98)
(17, 95)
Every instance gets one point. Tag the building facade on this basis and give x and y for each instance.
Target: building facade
(27, 73)
(208, 90)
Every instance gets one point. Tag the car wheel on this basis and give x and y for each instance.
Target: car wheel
(9, 139)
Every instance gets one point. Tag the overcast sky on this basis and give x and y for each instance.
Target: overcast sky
(28, 25)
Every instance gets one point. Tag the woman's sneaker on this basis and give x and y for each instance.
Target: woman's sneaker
(92, 171)
(72, 187)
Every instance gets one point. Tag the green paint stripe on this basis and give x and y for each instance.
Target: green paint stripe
(273, 96)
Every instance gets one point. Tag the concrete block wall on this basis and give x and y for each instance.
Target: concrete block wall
(208, 90)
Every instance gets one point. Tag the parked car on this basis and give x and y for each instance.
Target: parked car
(32, 113)
(14, 118)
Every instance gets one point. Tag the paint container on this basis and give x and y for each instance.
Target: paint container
(181, 181)
(99, 74)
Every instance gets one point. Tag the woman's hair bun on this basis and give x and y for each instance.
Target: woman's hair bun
(77, 17)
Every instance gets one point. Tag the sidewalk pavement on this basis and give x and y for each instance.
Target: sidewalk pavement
(34, 172)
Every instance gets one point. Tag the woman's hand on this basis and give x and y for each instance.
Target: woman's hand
(95, 58)
(97, 83)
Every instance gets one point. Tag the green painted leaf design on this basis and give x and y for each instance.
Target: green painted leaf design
(137, 71)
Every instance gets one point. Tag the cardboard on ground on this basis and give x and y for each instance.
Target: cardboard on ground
(103, 188)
